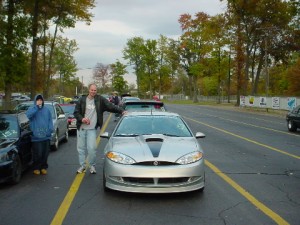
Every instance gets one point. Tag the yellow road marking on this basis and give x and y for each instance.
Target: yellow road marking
(247, 139)
(65, 205)
(275, 217)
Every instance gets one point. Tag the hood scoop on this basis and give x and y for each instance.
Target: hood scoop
(154, 145)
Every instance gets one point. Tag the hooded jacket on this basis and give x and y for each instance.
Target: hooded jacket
(41, 123)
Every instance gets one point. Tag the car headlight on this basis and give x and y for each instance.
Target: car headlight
(119, 158)
(190, 158)
(3, 157)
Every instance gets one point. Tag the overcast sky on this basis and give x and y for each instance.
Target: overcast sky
(116, 21)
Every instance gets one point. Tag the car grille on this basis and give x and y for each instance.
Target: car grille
(156, 163)
(156, 181)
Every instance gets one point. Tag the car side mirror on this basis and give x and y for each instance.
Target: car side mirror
(105, 135)
(61, 116)
(200, 135)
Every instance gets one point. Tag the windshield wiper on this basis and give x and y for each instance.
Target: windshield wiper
(127, 135)
(171, 135)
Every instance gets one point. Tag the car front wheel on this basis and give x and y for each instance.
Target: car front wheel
(66, 136)
(16, 171)
(291, 126)
(55, 146)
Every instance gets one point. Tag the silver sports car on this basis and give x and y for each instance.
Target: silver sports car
(153, 152)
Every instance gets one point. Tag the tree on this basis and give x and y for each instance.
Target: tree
(102, 76)
(117, 71)
(173, 61)
(293, 77)
(64, 14)
(150, 63)
(64, 62)
(264, 33)
(195, 47)
(133, 53)
(164, 64)
(13, 48)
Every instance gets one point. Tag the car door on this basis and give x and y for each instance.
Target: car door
(25, 139)
(296, 116)
(62, 123)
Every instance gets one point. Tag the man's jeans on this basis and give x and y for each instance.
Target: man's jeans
(86, 143)
(40, 150)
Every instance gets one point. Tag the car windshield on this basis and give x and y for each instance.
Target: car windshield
(69, 109)
(147, 125)
(8, 127)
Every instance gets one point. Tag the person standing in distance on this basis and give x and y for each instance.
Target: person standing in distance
(116, 101)
(89, 114)
(41, 125)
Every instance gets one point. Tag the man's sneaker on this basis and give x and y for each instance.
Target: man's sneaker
(44, 171)
(81, 169)
(92, 170)
(37, 172)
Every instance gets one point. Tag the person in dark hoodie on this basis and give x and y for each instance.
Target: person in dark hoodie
(41, 125)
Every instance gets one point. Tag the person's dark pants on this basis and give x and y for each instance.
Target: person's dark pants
(40, 152)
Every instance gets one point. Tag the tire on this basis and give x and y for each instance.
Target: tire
(55, 146)
(66, 139)
(17, 170)
(291, 126)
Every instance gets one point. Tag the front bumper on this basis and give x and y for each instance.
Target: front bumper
(154, 179)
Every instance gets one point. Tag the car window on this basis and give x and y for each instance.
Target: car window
(171, 125)
(23, 120)
(8, 127)
(22, 107)
(69, 109)
(51, 108)
(59, 110)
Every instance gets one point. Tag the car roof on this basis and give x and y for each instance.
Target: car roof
(66, 104)
(143, 102)
(31, 102)
(150, 113)
(7, 112)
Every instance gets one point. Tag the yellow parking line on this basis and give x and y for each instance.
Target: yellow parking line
(65, 205)
(275, 217)
(247, 139)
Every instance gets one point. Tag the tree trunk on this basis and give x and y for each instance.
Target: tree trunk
(48, 78)
(34, 48)
(9, 47)
(239, 61)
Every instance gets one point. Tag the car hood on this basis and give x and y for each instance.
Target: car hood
(6, 142)
(153, 147)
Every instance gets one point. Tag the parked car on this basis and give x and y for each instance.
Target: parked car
(21, 98)
(293, 119)
(144, 105)
(69, 111)
(128, 98)
(153, 152)
(15, 146)
(60, 122)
